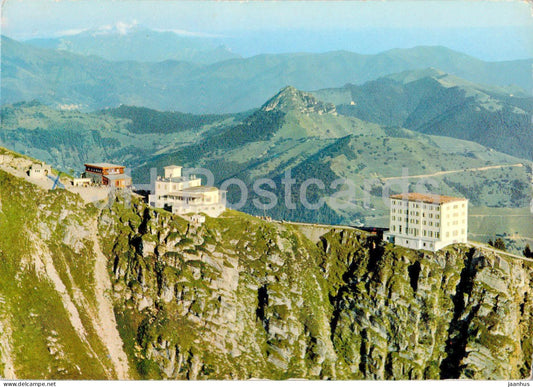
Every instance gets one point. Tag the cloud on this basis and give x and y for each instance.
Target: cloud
(123, 28)
(73, 31)
(189, 33)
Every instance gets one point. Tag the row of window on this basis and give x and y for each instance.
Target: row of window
(175, 187)
(416, 232)
(424, 214)
(424, 205)
(456, 222)
(417, 221)
(427, 233)
(95, 170)
(415, 213)
(456, 214)
(402, 203)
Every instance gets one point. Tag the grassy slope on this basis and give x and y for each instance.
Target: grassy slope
(514, 225)
(67, 139)
(46, 344)
(434, 102)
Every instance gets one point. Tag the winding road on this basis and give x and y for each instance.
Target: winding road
(518, 165)
(500, 252)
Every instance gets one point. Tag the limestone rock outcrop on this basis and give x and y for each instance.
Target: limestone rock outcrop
(241, 298)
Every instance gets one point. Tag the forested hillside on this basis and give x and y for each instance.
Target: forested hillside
(434, 102)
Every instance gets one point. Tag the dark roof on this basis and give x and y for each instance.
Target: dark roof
(104, 165)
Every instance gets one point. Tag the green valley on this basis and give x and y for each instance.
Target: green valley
(292, 133)
(69, 138)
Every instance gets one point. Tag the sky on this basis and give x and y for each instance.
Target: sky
(493, 30)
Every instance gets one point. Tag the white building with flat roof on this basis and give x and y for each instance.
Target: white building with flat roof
(185, 194)
(39, 170)
(426, 221)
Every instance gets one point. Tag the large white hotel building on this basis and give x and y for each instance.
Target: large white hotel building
(425, 221)
(185, 194)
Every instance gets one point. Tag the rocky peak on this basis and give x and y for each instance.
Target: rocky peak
(292, 99)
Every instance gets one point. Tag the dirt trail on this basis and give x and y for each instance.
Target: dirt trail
(88, 194)
(519, 165)
(106, 317)
(44, 183)
(499, 252)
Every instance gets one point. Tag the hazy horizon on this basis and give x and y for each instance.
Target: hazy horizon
(488, 30)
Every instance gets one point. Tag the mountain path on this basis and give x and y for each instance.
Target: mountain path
(499, 252)
(43, 183)
(518, 165)
(106, 317)
(88, 194)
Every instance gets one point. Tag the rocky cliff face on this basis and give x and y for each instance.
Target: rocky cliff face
(134, 292)
(238, 297)
(234, 298)
(453, 314)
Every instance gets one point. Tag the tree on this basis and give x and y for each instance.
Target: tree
(527, 252)
(498, 244)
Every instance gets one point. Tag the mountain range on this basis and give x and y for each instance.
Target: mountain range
(60, 78)
(470, 135)
(135, 43)
(292, 287)
(293, 132)
(433, 102)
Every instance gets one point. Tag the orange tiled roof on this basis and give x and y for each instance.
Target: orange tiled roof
(426, 198)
